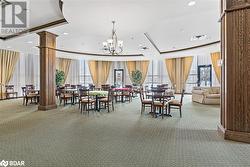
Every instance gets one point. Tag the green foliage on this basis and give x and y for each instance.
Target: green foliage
(60, 76)
(136, 77)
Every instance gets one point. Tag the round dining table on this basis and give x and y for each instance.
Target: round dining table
(98, 94)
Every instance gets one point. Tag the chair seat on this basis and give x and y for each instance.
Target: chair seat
(87, 101)
(66, 96)
(175, 102)
(158, 103)
(11, 93)
(32, 95)
(147, 101)
(104, 99)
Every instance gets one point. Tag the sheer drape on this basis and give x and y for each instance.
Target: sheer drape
(215, 57)
(178, 70)
(99, 71)
(138, 65)
(64, 65)
(8, 60)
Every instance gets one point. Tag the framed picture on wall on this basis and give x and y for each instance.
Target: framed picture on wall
(205, 75)
(119, 77)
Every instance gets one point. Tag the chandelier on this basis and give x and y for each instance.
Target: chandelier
(4, 3)
(113, 45)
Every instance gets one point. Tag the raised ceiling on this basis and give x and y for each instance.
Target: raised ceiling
(170, 24)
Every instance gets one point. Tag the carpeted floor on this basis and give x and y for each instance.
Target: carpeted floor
(124, 138)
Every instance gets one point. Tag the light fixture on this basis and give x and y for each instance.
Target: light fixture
(191, 3)
(143, 47)
(198, 37)
(65, 33)
(113, 45)
(219, 63)
(29, 42)
(4, 3)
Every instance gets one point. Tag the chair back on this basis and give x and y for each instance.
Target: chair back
(142, 95)
(105, 87)
(91, 87)
(9, 88)
(67, 86)
(129, 86)
(110, 95)
(158, 95)
(182, 95)
(83, 93)
(24, 91)
(30, 87)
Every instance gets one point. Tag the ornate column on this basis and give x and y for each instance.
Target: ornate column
(47, 71)
(235, 49)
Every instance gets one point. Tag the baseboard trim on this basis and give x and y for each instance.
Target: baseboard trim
(233, 135)
(46, 108)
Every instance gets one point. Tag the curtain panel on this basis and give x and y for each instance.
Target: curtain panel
(99, 71)
(138, 65)
(64, 65)
(178, 70)
(215, 57)
(8, 60)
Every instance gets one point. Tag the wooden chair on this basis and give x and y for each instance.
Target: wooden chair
(29, 94)
(9, 91)
(158, 101)
(117, 96)
(105, 87)
(88, 102)
(65, 96)
(145, 102)
(127, 96)
(108, 101)
(176, 104)
(83, 94)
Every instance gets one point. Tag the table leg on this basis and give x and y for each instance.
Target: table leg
(96, 104)
(122, 97)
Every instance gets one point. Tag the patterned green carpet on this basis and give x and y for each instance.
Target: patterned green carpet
(123, 138)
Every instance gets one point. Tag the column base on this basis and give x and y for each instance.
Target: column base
(234, 135)
(46, 108)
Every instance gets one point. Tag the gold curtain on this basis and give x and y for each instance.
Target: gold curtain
(138, 65)
(99, 71)
(64, 65)
(8, 60)
(171, 69)
(178, 71)
(215, 57)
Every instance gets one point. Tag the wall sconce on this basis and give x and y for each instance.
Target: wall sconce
(220, 62)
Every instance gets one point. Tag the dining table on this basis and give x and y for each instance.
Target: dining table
(122, 90)
(98, 94)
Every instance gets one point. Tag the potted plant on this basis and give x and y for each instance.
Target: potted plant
(60, 77)
(136, 77)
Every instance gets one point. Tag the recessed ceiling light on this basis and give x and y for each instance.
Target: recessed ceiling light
(29, 42)
(191, 3)
(65, 33)
(198, 37)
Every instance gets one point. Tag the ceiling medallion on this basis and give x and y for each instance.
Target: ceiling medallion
(113, 45)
